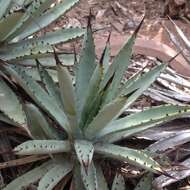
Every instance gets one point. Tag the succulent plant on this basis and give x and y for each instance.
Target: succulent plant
(19, 20)
(76, 122)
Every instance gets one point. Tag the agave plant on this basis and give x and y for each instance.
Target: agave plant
(75, 123)
(19, 20)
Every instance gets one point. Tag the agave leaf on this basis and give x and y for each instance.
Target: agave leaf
(22, 161)
(85, 69)
(118, 183)
(146, 79)
(134, 157)
(29, 11)
(42, 147)
(29, 177)
(33, 72)
(105, 116)
(4, 5)
(48, 17)
(148, 117)
(50, 38)
(145, 183)
(129, 82)
(66, 88)
(89, 177)
(53, 176)
(34, 121)
(105, 59)
(49, 84)
(29, 51)
(10, 104)
(5, 119)
(142, 84)
(102, 184)
(117, 136)
(46, 60)
(7, 23)
(39, 7)
(77, 178)
(119, 66)
(38, 125)
(85, 151)
(92, 101)
(38, 94)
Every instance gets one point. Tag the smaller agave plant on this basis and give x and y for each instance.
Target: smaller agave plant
(76, 123)
(20, 20)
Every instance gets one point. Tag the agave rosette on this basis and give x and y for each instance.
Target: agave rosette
(86, 112)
